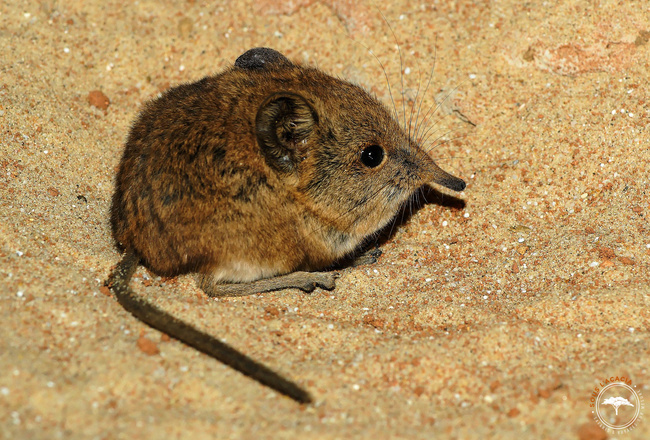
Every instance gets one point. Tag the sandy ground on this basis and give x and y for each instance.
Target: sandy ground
(494, 315)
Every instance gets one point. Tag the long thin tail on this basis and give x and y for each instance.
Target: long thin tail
(166, 323)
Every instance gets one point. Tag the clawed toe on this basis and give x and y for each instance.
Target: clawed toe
(376, 253)
(329, 281)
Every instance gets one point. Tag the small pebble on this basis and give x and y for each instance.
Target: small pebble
(147, 346)
(97, 99)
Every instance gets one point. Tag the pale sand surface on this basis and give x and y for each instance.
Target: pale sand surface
(493, 319)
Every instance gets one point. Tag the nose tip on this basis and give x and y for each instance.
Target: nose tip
(432, 173)
(442, 177)
(453, 183)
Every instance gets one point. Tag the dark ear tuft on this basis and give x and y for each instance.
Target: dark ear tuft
(283, 121)
(261, 58)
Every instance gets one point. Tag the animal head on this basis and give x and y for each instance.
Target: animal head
(348, 158)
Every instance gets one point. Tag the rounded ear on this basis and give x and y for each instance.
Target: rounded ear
(283, 122)
(260, 58)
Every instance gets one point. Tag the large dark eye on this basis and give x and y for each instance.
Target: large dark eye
(372, 156)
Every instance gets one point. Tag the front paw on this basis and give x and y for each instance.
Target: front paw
(370, 257)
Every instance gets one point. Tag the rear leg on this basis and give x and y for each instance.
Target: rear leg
(305, 281)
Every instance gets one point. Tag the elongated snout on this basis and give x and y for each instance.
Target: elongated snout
(428, 171)
(442, 177)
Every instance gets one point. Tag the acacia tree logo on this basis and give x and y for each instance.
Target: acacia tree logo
(616, 402)
(626, 401)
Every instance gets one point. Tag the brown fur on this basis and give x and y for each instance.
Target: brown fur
(257, 172)
(195, 192)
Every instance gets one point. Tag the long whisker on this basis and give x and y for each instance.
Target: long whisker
(401, 63)
(417, 94)
(390, 90)
(437, 137)
(426, 89)
(440, 141)
(437, 106)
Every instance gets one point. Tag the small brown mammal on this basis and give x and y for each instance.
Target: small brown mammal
(255, 179)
